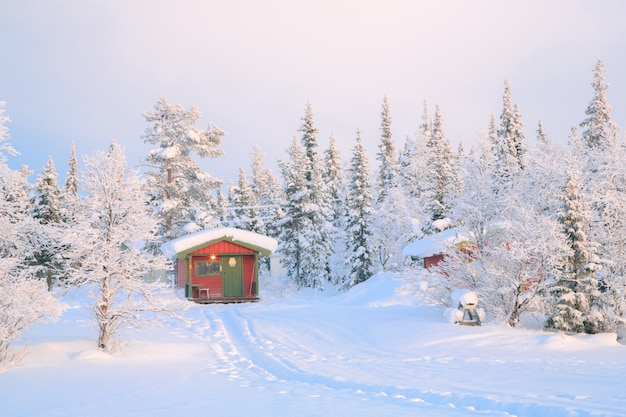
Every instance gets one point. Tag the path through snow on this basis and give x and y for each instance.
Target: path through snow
(369, 352)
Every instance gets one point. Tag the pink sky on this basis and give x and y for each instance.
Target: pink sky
(85, 71)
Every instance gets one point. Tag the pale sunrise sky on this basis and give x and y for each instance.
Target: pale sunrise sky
(86, 70)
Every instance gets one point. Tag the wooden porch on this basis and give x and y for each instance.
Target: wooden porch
(234, 300)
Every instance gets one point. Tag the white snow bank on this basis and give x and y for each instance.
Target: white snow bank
(434, 244)
(381, 290)
(192, 240)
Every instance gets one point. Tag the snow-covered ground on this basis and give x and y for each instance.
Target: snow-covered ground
(372, 351)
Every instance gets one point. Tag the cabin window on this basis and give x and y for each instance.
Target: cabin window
(207, 268)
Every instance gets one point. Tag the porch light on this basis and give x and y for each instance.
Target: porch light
(213, 257)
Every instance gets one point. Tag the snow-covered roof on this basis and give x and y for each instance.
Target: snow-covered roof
(434, 244)
(262, 243)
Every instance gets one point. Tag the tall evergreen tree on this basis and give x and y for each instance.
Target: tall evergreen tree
(294, 183)
(266, 189)
(316, 222)
(577, 290)
(360, 257)
(542, 137)
(5, 146)
(46, 209)
(45, 202)
(333, 177)
(604, 183)
(181, 193)
(599, 130)
(308, 211)
(388, 169)
(71, 178)
(412, 164)
(509, 144)
(246, 208)
(441, 173)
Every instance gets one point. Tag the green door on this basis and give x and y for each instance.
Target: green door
(232, 276)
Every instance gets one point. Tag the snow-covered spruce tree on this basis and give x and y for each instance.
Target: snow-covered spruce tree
(388, 168)
(5, 146)
(71, 178)
(113, 222)
(24, 299)
(266, 189)
(308, 210)
(609, 223)
(289, 237)
(333, 176)
(599, 129)
(69, 192)
(316, 224)
(412, 162)
(334, 179)
(181, 193)
(221, 205)
(391, 224)
(543, 140)
(441, 174)
(604, 183)
(509, 144)
(46, 209)
(360, 259)
(576, 292)
(245, 206)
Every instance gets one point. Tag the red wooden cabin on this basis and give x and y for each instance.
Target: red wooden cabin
(432, 249)
(219, 265)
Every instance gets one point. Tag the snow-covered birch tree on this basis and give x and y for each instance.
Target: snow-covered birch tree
(107, 252)
(512, 248)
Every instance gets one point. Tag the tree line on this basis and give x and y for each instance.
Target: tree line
(545, 223)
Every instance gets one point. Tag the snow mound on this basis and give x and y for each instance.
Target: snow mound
(381, 290)
(464, 298)
(453, 315)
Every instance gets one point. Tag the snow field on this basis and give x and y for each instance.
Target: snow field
(372, 351)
